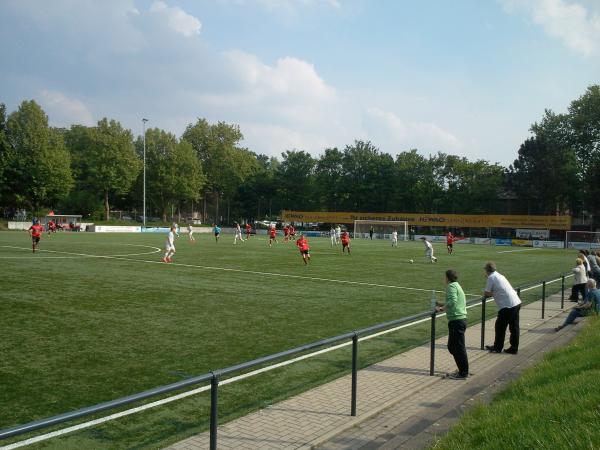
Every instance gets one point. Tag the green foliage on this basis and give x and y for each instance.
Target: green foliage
(110, 161)
(545, 175)
(556, 403)
(226, 165)
(37, 168)
(173, 171)
(295, 181)
(4, 148)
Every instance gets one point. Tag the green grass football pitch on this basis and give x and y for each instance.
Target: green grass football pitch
(92, 317)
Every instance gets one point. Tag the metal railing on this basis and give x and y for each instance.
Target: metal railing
(215, 376)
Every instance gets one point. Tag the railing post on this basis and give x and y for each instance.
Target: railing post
(354, 373)
(432, 348)
(543, 298)
(483, 302)
(214, 419)
(562, 293)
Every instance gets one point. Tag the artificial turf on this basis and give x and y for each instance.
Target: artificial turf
(86, 320)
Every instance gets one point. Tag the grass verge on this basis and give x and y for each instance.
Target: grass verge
(554, 405)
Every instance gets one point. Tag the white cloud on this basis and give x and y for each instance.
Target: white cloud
(64, 111)
(397, 134)
(177, 18)
(172, 79)
(571, 22)
(289, 77)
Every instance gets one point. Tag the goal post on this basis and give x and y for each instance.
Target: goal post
(382, 229)
(588, 240)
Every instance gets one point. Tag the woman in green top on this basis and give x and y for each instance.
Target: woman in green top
(456, 312)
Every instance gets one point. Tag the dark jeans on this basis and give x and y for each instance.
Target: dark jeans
(456, 344)
(576, 289)
(507, 317)
(574, 314)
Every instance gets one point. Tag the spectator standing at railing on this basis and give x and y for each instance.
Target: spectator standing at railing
(579, 280)
(590, 303)
(456, 313)
(583, 256)
(509, 306)
(593, 260)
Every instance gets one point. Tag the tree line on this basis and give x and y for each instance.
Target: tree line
(93, 170)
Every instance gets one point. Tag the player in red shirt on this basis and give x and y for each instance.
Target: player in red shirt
(449, 242)
(248, 230)
(272, 236)
(286, 233)
(292, 231)
(302, 244)
(35, 231)
(345, 238)
(51, 227)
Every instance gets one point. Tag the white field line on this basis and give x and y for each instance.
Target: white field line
(520, 250)
(225, 269)
(201, 389)
(79, 255)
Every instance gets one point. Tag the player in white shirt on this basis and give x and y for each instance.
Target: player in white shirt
(238, 234)
(338, 233)
(332, 236)
(170, 245)
(394, 238)
(429, 251)
(176, 226)
(191, 233)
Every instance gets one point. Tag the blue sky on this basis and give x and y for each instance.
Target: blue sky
(464, 77)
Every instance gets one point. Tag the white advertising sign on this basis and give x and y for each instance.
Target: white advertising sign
(116, 229)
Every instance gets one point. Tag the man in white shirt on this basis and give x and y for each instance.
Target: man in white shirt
(394, 238)
(509, 305)
(338, 233)
(428, 250)
(170, 245)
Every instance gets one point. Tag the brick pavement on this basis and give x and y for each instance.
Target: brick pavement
(389, 393)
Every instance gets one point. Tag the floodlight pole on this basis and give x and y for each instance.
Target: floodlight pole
(144, 136)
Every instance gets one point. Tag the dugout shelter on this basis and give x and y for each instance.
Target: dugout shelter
(68, 222)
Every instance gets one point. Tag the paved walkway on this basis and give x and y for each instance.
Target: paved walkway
(390, 393)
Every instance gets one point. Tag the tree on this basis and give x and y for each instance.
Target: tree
(360, 173)
(295, 179)
(112, 164)
(37, 163)
(544, 175)
(584, 121)
(329, 174)
(3, 152)
(174, 173)
(226, 164)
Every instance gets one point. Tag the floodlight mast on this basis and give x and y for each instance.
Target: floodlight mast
(144, 136)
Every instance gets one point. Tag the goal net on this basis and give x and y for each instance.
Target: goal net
(381, 229)
(580, 240)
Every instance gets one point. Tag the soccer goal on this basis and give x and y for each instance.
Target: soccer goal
(382, 229)
(587, 240)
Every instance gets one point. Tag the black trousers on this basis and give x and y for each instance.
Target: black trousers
(576, 289)
(507, 317)
(456, 344)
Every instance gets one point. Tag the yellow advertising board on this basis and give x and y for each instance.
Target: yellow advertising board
(435, 220)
